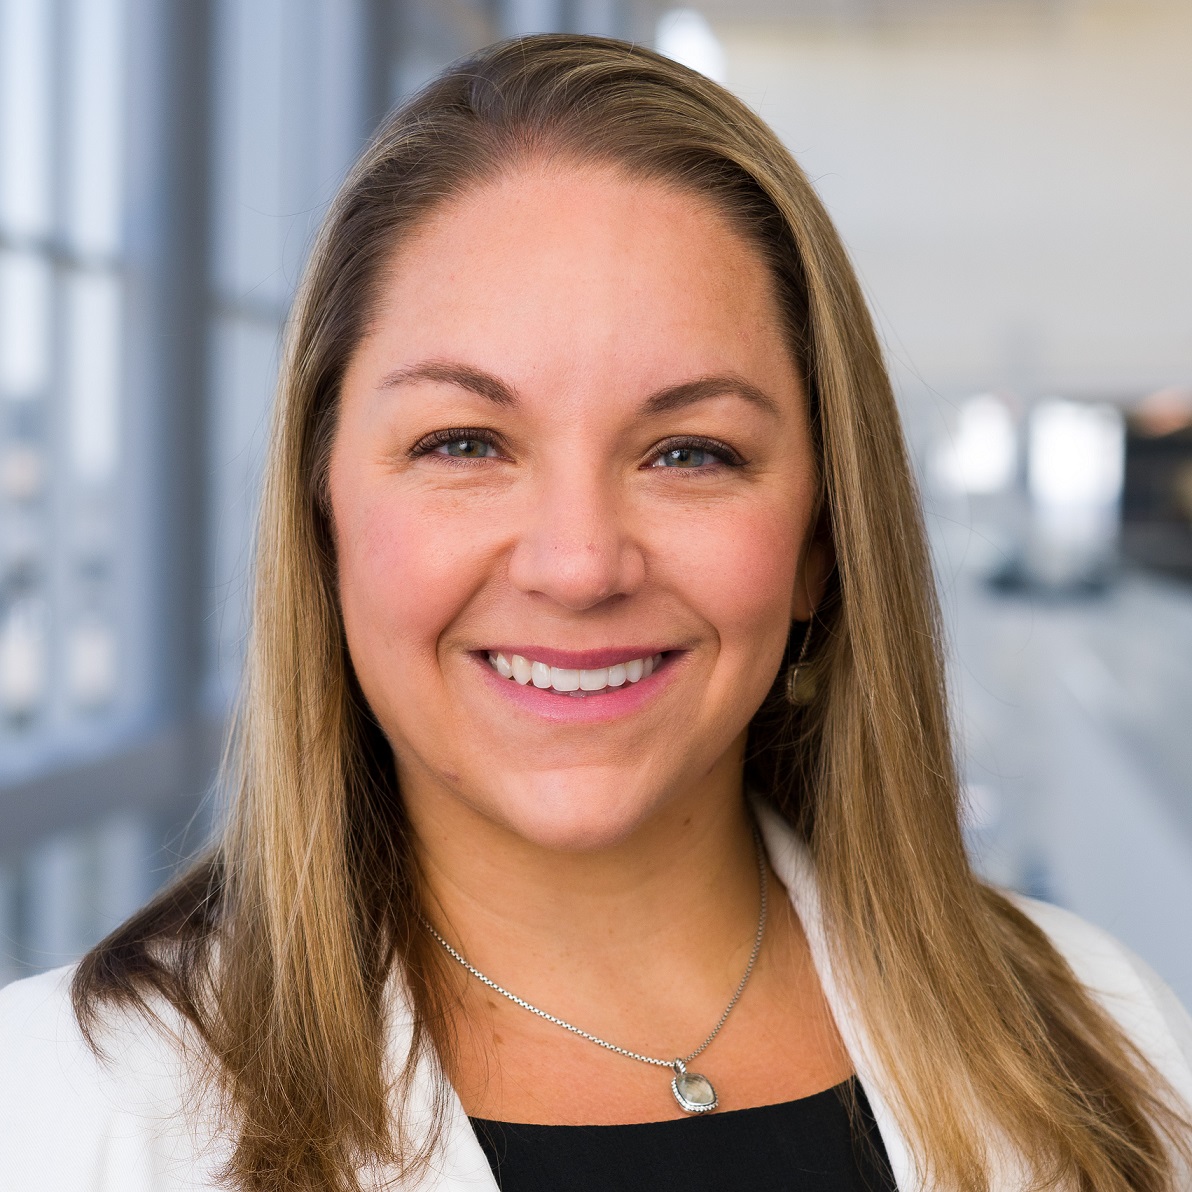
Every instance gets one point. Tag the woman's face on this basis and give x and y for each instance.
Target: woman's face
(572, 489)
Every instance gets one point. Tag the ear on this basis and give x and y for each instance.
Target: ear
(819, 557)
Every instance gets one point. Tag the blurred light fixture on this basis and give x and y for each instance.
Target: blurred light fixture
(685, 35)
(1075, 469)
(1077, 454)
(1163, 412)
(982, 455)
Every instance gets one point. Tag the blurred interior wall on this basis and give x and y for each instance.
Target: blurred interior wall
(1014, 183)
(1014, 180)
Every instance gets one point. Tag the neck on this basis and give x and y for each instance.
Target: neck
(641, 943)
(679, 893)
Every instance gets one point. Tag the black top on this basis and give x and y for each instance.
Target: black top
(824, 1143)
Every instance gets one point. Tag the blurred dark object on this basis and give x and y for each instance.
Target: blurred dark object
(1157, 497)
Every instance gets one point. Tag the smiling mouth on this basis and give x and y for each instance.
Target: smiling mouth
(575, 683)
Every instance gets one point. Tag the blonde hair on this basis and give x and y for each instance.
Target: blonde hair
(279, 943)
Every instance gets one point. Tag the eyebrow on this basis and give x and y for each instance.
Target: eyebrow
(688, 393)
(662, 401)
(448, 372)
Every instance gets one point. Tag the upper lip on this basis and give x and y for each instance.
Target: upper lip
(579, 659)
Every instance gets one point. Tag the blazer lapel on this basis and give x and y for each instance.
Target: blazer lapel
(458, 1162)
(792, 863)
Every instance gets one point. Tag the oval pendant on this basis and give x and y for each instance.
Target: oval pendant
(693, 1091)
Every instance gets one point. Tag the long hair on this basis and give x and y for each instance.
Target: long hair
(278, 945)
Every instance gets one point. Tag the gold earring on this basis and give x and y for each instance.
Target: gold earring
(799, 685)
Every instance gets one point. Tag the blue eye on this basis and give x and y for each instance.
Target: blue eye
(467, 449)
(686, 457)
(696, 455)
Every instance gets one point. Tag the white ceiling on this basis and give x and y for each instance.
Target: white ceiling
(884, 12)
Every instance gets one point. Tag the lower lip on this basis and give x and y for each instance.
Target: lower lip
(594, 706)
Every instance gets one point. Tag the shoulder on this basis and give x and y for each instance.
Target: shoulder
(1125, 986)
(43, 1055)
(129, 1117)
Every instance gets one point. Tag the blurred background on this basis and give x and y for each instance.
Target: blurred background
(1014, 180)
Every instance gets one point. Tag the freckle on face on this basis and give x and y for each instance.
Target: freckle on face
(584, 292)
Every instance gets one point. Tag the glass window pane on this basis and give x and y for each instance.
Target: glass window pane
(60, 891)
(249, 156)
(91, 664)
(93, 375)
(25, 117)
(124, 869)
(23, 661)
(96, 125)
(24, 324)
(245, 360)
(22, 472)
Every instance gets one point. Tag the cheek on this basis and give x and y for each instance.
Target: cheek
(399, 586)
(745, 578)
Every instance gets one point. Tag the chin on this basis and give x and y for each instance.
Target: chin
(574, 812)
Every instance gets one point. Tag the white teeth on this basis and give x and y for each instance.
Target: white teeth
(562, 679)
(566, 681)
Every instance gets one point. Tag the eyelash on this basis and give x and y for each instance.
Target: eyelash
(440, 438)
(722, 451)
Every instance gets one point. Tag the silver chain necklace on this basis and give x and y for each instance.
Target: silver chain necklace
(693, 1091)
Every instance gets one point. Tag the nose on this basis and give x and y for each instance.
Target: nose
(577, 547)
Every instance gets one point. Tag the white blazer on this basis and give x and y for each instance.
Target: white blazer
(141, 1122)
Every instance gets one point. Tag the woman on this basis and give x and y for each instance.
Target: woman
(593, 765)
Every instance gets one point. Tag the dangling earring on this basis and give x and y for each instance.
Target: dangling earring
(798, 689)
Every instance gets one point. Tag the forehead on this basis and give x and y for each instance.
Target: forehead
(552, 272)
